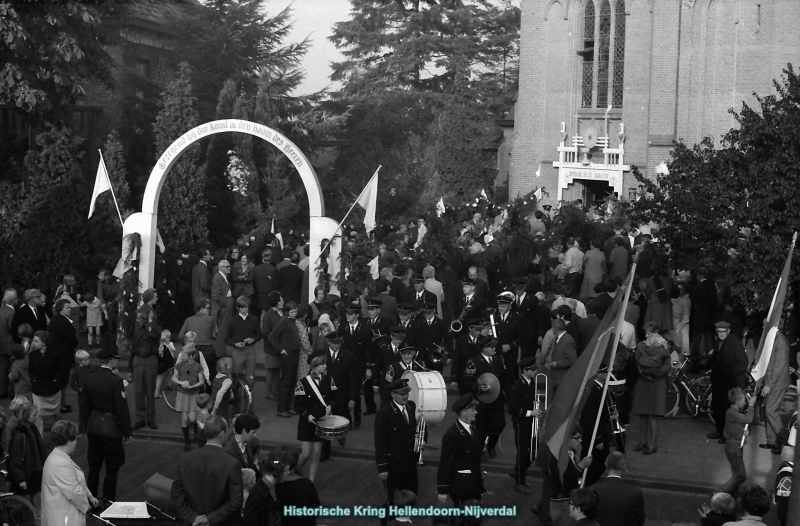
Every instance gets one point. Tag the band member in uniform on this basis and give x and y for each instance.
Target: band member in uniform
(344, 375)
(469, 305)
(404, 310)
(783, 480)
(396, 370)
(105, 417)
(395, 434)
(605, 437)
(491, 419)
(379, 325)
(357, 340)
(507, 328)
(526, 306)
(466, 347)
(521, 400)
(387, 354)
(313, 399)
(430, 335)
(416, 295)
(459, 473)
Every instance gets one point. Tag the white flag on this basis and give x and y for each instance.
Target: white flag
(538, 194)
(101, 183)
(483, 194)
(662, 169)
(539, 171)
(369, 201)
(273, 226)
(374, 271)
(440, 207)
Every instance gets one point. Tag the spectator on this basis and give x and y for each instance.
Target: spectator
(144, 363)
(594, 270)
(242, 277)
(188, 377)
(243, 333)
(262, 506)
(32, 313)
(720, 512)
(618, 261)
(285, 338)
(203, 325)
(63, 342)
(149, 300)
(26, 455)
(650, 391)
(94, 317)
(20, 373)
(272, 358)
(239, 444)
(755, 503)
(774, 387)
(583, 507)
(560, 354)
(704, 313)
(65, 497)
(66, 290)
(305, 342)
(588, 325)
(107, 293)
(201, 277)
(265, 278)
(657, 292)
(166, 360)
(44, 368)
(737, 417)
(222, 304)
(222, 395)
(783, 479)
(681, 310)
(84, 366)
(620, 504)
(573, 264)
(729, 370)
(294, 490)
(290, 278)
(7, 313)
(208, 489)
(317, 305)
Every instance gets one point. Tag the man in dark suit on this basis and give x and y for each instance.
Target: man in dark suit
(31, 313)
(201, 277)
(459, 474)
(290, 278)
(388, 302)
(395, 433)
(208, 490)
(729, 370)
(344, 375)
(469, 305)
(239, 445)
(430, 336)
(105, 416)
(704, 313)
(397, 287)
(222, 303)
(64, 341)
(526, 307)
(588, 325)
(620, 504)
(417, 296)
(491, 419)
(264, 280)
(465, 348)
(357, 340)
(7, 312)
(604, 300)
(559, 357)
(481, 285)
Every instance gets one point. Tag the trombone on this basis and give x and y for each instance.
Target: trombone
(540, 403)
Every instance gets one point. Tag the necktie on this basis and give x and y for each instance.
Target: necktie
(430, 322)
(489, 359)
(35, 314)
(333, 356)
(352, 329)
(405, 415)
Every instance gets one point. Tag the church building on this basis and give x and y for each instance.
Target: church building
(610, 84)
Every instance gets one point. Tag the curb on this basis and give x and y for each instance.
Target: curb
(490, 467)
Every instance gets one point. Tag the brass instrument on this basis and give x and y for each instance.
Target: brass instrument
(492, 323)
(419, 440)
(613, 416)
(438, 356)
(540, 403)
(458, 324)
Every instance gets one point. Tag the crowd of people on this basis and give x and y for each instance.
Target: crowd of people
(346, 357)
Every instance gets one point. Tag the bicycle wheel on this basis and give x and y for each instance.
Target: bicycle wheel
(673, 400)
(16, 511)
(699, 403)
(170, 389)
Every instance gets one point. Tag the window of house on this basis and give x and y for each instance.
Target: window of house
(603, 54)
(143, 67)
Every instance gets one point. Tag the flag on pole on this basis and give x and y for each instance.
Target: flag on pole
(440, 207)
(273, 226)
(538, 194)
(101, 184)
(572, 391)
(483, 194)
(767, 342)
(539, 171)
(369, 201)
(374, 271)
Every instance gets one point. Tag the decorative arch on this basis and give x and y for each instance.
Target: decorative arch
(145, 222)
(564, 7)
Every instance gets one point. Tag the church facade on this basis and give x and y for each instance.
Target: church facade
(609, 84)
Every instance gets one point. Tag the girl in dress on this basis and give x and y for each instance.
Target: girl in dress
(94, 316)
(188, 376)
(221, 392)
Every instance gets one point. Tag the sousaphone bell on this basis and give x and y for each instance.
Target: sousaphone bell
(487, 389)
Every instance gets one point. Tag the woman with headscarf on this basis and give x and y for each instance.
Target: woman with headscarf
(650, 391)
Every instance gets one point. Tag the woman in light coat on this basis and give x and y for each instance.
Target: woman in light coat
(65, 497)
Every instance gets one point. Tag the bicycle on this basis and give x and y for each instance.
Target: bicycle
(697, 392)
(242, 395)
(15, 510)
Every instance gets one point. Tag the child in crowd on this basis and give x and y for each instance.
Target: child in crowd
(739, 413)
(78, 374)
(221, 392)
(25, 332)
(94, 317)
(203, 401)
(188, 375)
(189, 339)
(166, 359)
(20, 377)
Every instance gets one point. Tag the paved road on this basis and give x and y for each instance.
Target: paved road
(349, 482)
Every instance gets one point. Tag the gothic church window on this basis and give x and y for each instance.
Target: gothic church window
(603, 54)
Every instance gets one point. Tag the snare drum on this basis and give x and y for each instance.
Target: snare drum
(429, 393)
(332, 427)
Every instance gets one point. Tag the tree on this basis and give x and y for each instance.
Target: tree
(736, 206)
(51, 50)
(182, 206)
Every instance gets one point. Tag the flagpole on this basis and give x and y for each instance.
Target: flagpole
(620, 317)
(338, 228)
(111, 186)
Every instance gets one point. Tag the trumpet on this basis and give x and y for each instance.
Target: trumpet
(613, 416)
(540, 403)
(419, 440)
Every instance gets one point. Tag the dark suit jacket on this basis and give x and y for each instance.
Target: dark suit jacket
(587, 327)
(345, 376)
(529, 325)
(461, 451)
(388, 306)
(604, 301)
(394, 439)
(704, 304)
(464, 350)
(358, 344)
(264, 281)
(103, 408)
(410, 297)
(396, 289)
(564, 354)
(63, 339)
(620, 504)
(221, 304)
(425, 337)
(6, 323)
(290, 278)
(247, 459)
(201, 282)
(209, 483)
(24, 314)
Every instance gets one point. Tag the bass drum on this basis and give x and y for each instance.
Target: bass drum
(429, 394)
